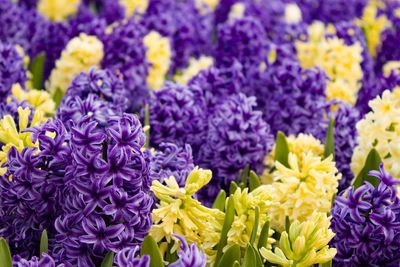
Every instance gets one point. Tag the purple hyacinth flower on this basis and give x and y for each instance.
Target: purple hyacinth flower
(189, 256)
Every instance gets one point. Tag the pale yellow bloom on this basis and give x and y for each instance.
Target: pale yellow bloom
(245, 205)
(292, 13)
(206, 5)
(13, 136)
(341, 62)
(195, 66)
(391, 66)
(306, 244)
(307, 185)
(299, 145)
(372, 26)
(80, 54)
(159, 56)
(58, 10)
(132, 6)
(237, 11)
(179, 213)
(380, 130)
(40, 100)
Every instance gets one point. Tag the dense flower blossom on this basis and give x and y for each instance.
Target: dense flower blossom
(159, 57)
(171, 160)
(341, 62)
(125, 54)
(38, 99)
(189, 256)
(107, 199)
(189, 30)
(366, 223)
(305, 243)
(127, 257)
(134, 6)
(31, 199)
(11, 70)
(379, 130)
(237, 136)
(44, 260)
(81, 54)
(195, 66)
(98, 94)
(179, 213)
(306, 185)
(58, 10)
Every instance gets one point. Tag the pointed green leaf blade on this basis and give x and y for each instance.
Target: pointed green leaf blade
(326, 264)
(5, 254)
(36, 68)
(330, 140)
(57, 97)
(232, 188)
(108, 260)
(230, 256)
(371, 163)
(282, 149)
(262, 242)
(249, 259)
(229, 216)
(255, 226)
(254, 181)
(44, 243)
(147, 125)
(150, 247)
(219, 202)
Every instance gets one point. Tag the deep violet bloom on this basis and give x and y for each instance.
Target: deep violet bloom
(366, 223)
(44, 261)
(171, 160)
(11, 70)
(127, 257)
(189, 256)
(107, 204)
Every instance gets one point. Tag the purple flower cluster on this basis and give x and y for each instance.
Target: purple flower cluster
(107, 204)
(44, 261)
(127, 257)
(171, 160)
(11, 70)
(366, 223)
(98, 94)
(125, 54)
(189, 256)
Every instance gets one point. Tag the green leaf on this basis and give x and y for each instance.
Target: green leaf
(147, 123)
(219, 202)
(44, 243)
(326, 264)
(36, 69)
(229, 216)
(245, 176)
(232, 188)
(287, 224)
(252, 257)
(231, 256)
(57, 97)
(108, 260)
(255, 226)
(371, 163)
(5, 254)
(254, 181)
(150, 247)
(171, 257)
(236, 264)
(330, 140)
(282, 149)
(262, 242)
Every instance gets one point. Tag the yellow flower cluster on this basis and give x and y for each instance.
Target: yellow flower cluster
(40, 100)
(391, 66)
(132, 6)
(195, 66)
(380, 129)
(206, 5)
(372, 26)
(292, 13)
(159, 56)
(58, 10)
(13, 136)
(243, 223)
(342, 63)
(298, 145)
(179, 213)
(306, 244)
(307, 185)
(237, 11)
(80, 54)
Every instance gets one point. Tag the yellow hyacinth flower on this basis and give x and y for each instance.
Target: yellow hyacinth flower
(307, 185)
(40, 100)
(58, 10)
(80, 54)
(179, 213)
(341, 62)
(380, 130)
(205, 6)
(292, 13)
(194, 68)
(12, 135)
(237, 11)
(132, 6)
(159, 56)
(306, 243)
(372, 26)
